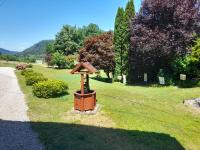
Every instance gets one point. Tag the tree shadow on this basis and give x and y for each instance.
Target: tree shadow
(61, 136)
(103, 79)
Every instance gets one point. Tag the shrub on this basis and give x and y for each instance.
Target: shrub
(26, 72)
(29, 66)
(167, 75)
(70, 61)
(59, 60)
(186, 66)
(50, 88)
(189, 83)
(21, 66)
(33, 78)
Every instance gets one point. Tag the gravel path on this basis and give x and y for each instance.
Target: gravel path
(15, 131)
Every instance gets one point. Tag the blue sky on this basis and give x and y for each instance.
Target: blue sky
(25, 22)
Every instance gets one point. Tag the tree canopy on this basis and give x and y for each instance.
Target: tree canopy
(122, 37)
(162, 31)
(70, 39)
(99, 51)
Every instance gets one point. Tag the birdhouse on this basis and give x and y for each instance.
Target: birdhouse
(85, 98)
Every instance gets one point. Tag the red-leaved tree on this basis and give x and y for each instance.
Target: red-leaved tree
(99, 51)
(162, 31)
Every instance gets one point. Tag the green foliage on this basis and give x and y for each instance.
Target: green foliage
(70, 61)
(70, 38)
(9, 57)
(27, 59)
(67, 40)
(188, 83)
(26, 72)
(118, 41)
(195, 56)
(167, 75)
(90, 30)
(33, 77)
(181, 65)
(59, 60)
(190, 64)
(128, 16)
(122, 37)
(50, 48)
(50, 88)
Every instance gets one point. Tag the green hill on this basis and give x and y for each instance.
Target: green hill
(37, 49)
(7, 52)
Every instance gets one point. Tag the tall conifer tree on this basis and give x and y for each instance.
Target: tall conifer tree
(119, 40)
(128, 16)
(122, 37)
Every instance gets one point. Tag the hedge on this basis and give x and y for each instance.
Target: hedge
(50, 89)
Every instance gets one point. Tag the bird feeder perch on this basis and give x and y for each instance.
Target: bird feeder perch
(85, 98)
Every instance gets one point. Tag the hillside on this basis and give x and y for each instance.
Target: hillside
(7, 52)
(37, 49)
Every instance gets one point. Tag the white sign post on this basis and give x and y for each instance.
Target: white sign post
(162, 80)
(183, 77)
(124, 79)
(145, 77)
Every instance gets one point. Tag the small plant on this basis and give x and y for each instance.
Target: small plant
(26, 72)
(21, 66)
(33, 78)
(70, 61)
(29, 66)
(50, 88)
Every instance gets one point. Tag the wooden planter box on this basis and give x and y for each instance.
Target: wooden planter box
(84, 102)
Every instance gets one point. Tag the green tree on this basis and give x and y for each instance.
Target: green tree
(50, 49)
(91, 30)
(122, 37)
(195, 56)
(119, 41)
(128, 16)
(67, 40)
(59, 60)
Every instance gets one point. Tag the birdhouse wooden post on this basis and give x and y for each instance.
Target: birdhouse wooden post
(85, 98)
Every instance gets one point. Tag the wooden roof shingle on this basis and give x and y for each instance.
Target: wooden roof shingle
(86, 66)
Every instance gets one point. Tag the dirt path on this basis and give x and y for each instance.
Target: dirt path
(15, 131)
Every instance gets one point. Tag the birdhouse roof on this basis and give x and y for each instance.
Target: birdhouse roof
(84, 67)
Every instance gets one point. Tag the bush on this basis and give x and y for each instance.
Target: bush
(26, 72)
(70, 61)
(167, 75)
(50, 88)
(29, 66)
(59, 60)
(186, 66)
(32, 78)
(21, 66)
(189, 83)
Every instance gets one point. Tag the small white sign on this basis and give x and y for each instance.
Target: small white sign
(145, 77)
(119, 78)
(162, 80)
(124, 79)
(183, 77)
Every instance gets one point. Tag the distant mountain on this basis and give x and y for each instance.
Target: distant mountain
(37, 49)
(7, 52)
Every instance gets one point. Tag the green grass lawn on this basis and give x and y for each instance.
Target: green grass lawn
(132, 117)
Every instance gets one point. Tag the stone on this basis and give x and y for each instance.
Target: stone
(89, 112)
(194, 103)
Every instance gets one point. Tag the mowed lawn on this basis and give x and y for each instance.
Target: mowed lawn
(131, 117)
